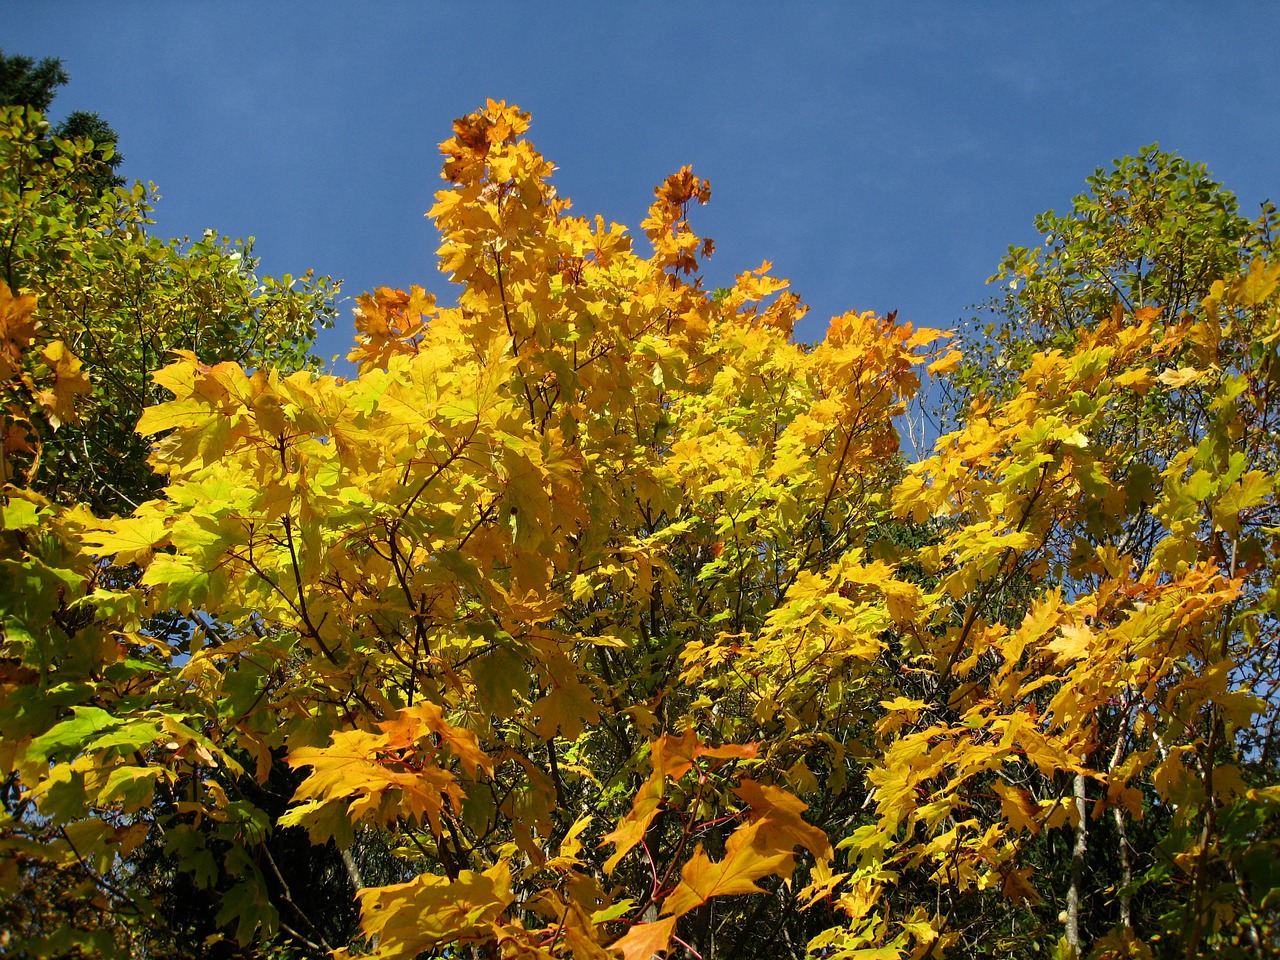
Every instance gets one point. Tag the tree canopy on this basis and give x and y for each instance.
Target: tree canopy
(34, 85)
(24, 82)
(598, 617)
(113, 300)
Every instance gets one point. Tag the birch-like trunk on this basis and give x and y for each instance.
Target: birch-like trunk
(1077, 865)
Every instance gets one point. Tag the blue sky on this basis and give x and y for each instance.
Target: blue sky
(882, 155)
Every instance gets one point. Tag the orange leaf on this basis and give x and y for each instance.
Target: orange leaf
(674, 755)
(644, 940)
(413, 723)
(631, 828)
(781, 824)
(744, 863)
(946, 363)
(731, 751)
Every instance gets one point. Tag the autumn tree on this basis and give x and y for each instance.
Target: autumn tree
(24, 82)
(1157, 239)
(614, 620)
(97, 304)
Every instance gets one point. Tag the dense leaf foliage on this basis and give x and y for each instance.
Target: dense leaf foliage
(598, 617)
(104, 302)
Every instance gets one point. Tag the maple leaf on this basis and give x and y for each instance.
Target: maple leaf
(128, 540)
(631, 828)
(1018, 807)
(945, 364)
(1181, 377)
(670, 756)
(412, 724)
(645, 940)
(1259, 283)
(69, 382)
(357, 766)
(17, 329)
(570, 846)
(675, 755)
(1139, 380)
(1073, 642)
(747, 858)
(409, 918)
(1252, 489)
(779, 815)
(565, 710)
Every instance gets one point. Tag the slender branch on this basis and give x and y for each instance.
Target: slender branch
(304, 941)
(287, 895)
(353, 871)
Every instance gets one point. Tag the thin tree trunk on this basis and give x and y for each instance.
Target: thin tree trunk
(1126, 869)
(1122, 835)
(1077, 865)
(353, 871)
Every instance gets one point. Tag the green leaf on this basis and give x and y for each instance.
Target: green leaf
(73, 733)
(18, 514)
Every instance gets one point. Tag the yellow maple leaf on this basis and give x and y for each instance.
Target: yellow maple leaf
(946, 363)
(746, 859)
(1181, 377)
(1255, 286)
(410, 918)
(1073, 642)
(1139, 380)
(1018, 807)
(17, 329)
(128, 539)
(68, 382)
